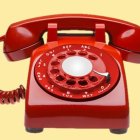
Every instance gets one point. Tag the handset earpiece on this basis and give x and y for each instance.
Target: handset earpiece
(19, 42)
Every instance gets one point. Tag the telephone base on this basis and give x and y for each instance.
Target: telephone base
(118, 131)
(34, 130)
(45, 110)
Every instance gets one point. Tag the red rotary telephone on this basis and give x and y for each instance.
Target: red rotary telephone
(75, 80)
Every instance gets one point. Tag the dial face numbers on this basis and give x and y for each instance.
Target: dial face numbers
(76, 72)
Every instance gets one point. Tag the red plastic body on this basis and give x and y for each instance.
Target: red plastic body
(44, 110)
(23, 37)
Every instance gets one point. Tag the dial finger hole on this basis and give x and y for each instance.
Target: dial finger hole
(83, 82)
(92, 57)
(93, 78)
(70, 82)
(54, 71)
(61, 56)
(83, 53)
(60, 78)
(71, 52)
(54, 63)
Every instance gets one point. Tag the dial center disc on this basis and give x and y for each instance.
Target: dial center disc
(77, 66)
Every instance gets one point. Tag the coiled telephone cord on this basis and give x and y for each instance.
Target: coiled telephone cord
(7, 97)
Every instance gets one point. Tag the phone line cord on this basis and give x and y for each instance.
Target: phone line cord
(7, 97)
(2, 38)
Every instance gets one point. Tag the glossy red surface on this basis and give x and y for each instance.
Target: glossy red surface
(100, 33)
(23, 53)
(44, 110)
(123, 35)
(52, 32)
(51, 77)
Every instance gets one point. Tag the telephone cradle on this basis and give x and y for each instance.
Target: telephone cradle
(75, 80)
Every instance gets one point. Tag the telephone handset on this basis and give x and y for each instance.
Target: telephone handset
(75, 80)
(25, 36)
